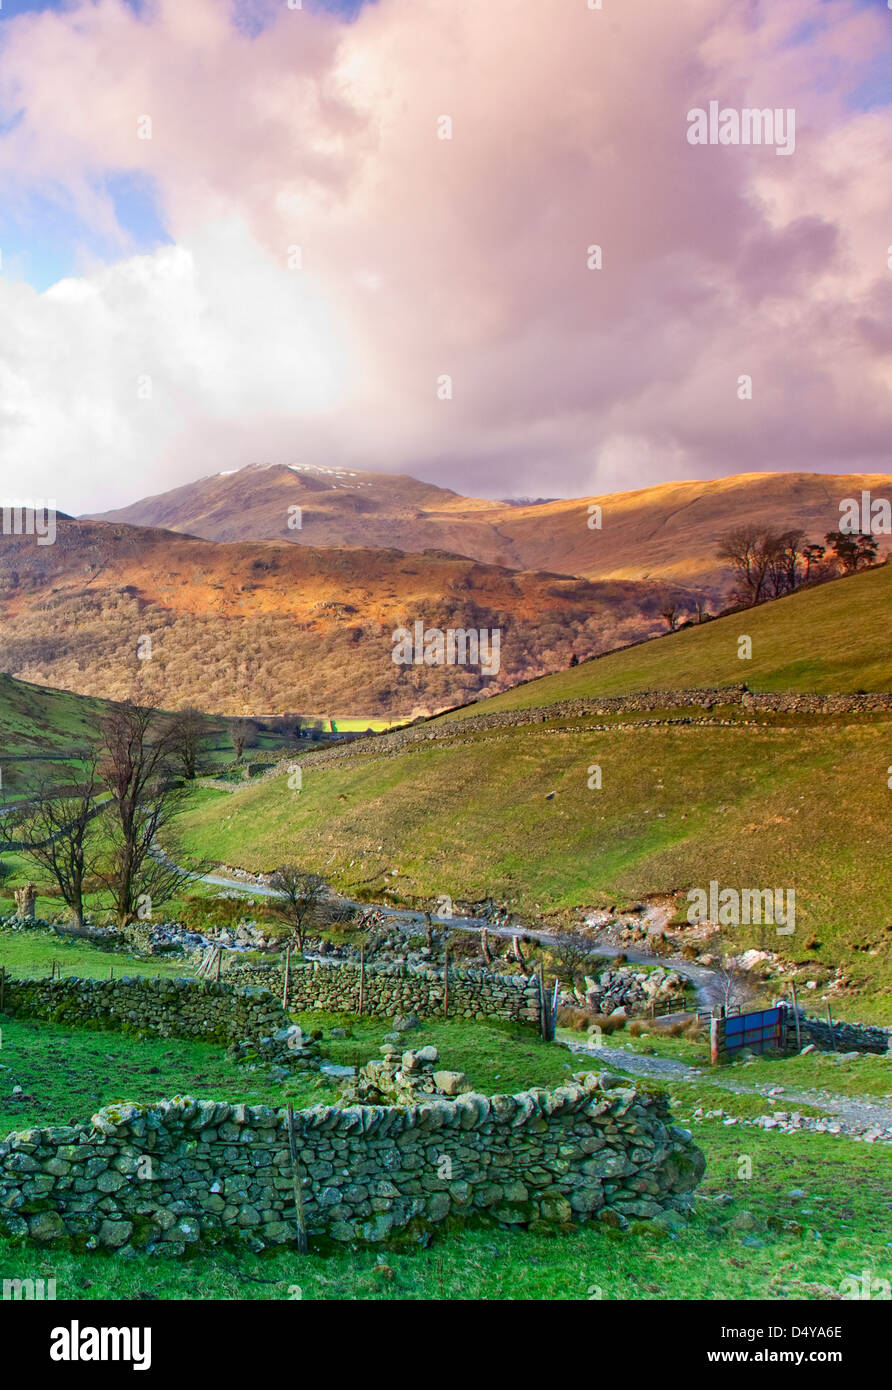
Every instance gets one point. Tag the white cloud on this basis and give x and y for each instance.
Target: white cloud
(105, 378)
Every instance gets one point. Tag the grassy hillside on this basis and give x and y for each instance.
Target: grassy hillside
(796, 803)
(832, 638)
(786, 801)
(37, 720)
(40, 726)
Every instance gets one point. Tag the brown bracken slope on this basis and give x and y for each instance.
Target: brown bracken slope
(258, 627)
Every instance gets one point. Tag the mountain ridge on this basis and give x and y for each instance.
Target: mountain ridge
(666, 532)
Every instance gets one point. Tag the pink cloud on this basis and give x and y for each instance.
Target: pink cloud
(467, 256)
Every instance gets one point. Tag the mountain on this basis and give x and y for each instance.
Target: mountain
(341, 507)
(258, 627)
(667, 532)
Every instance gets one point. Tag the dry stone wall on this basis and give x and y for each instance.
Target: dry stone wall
(841, 1037)
(167, 1008)
(184, 1175)
(334, 987)
(706, 698)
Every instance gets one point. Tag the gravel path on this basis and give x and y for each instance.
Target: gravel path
(854, 1115)
(708, 986)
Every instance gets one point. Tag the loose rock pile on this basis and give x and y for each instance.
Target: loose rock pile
(789, 1122)
(160, 938)
(288, 1047)
(403, 1079)
(628, 989)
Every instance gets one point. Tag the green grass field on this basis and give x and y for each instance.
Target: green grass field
(35, 719)
(751, 1236)
(357, 724)
(832, 638)
(67, 1074)
(32, 953)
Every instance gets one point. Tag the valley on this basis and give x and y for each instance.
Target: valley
(445, 679)
(576, 810)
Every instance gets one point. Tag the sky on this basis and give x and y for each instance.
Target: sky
(361, 234)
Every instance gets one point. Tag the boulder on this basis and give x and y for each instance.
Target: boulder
(451, 1083)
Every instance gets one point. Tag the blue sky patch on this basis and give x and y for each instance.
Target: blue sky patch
(42, 240)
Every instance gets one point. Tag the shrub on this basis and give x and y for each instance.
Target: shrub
(579, 1020)
(608, 1023)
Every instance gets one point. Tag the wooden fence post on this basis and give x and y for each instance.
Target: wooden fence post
(796, 1016)
(484, 946)
(361, 978)
(219, 962)
(295, 1182)
(717, 1037)
(287, 984)
(832, 1034)
(446, 980)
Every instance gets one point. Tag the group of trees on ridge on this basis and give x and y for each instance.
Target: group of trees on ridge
(768, 564)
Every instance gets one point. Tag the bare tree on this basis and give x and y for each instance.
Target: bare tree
(301, 893)
(671, 613)
(570, 955)
(135, 768)
(747, 549)
(731, 986)
(729, 978)
(54, 830)
(187, 732)
(783, 552)
(243, 733)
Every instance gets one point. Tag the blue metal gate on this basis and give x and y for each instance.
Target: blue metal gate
(758, 1031)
